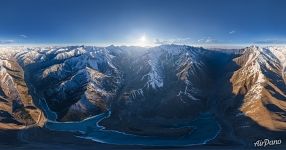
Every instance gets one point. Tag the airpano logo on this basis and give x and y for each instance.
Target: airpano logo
(267, 142)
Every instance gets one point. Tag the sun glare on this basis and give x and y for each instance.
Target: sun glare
(143, 38)
(142, 41)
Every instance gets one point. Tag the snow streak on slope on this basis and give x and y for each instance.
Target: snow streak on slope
(155, 63)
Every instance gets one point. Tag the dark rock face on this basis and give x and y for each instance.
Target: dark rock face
(164, 81)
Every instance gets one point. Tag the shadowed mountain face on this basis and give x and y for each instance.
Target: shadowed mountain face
(75, 82)
(166, 81)
(148, 89)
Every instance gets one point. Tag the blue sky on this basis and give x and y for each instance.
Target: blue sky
(133, 22)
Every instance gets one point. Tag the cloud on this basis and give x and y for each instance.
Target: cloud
(173, 41)
(207, 40)
(232, 32)
(270, 42)
(186, 41)
(6, 41)
(23, 36)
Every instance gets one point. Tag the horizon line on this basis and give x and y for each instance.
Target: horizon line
(212, 45)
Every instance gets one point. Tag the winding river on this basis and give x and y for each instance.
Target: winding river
(205, 128)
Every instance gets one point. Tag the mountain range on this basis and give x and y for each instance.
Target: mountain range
(146, 89)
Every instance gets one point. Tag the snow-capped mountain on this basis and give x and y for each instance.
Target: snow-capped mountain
(75, 82)
(261, 79)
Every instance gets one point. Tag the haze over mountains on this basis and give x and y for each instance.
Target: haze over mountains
(147, 90)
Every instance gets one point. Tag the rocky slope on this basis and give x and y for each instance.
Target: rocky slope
(261, 81)
(16, 105)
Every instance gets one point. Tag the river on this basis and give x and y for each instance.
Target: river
(205, 128)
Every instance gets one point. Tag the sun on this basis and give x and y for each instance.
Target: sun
(143, 38)
(142, 41)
